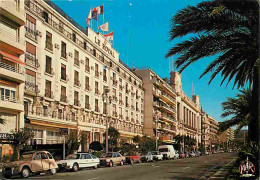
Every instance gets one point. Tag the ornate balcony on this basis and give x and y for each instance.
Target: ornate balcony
(77, 83)
(64, 54)
(31, 88)
(63, 98)
(87, 87)
(48, 94)
(76, 102)
(64, 77)
(30, 33)
(49, 70)
(96, 74)
(87, 106)
(31, 60)
(49, 45)
(97, 109)
(87, 68)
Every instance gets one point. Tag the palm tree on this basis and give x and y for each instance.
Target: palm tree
(113, 135)
(240, 110)
(228, 30)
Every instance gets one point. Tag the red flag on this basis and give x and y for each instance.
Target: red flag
(109, 36)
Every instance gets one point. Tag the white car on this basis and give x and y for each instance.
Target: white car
(157, 156)
(79, 160)
(147, 157)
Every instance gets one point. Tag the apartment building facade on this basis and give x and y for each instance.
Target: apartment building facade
(67, 70)
(159, 107)
(12, 47)
(227, 136)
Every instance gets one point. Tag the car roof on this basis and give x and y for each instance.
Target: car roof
(31, 152)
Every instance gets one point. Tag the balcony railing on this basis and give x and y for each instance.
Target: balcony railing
(30, 33)
(49, 45)
(76, 102)
(63, 54)
(87, 87)
(31, 60)
(17, 68)
(63, 98)
(8, 98)
(76, 61)
(48, 93)
(49, 70)
(64, 77)
(31, 87)
(77, 83)
(97, 109)
(87, 68)
(87, 106)
(96, 74)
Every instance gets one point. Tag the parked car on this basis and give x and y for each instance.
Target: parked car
(167, 151)
(157, 156)
(147, 157)
(77, 161)
(192, 154)
(206, 153)
(112, 158)
(31, 162)
(197, 153)
(187, 154)
(176, 156)
(182, 155)
(136, 158)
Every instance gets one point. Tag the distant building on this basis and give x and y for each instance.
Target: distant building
(227, 135)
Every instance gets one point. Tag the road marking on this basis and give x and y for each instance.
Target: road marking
(220, 170)
(94, 178)
(186, 167)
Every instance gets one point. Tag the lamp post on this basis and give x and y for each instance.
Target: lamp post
(107, 100)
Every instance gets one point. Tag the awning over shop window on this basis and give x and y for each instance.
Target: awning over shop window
(11, 57)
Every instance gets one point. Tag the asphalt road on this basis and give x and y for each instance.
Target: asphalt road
(191, 168)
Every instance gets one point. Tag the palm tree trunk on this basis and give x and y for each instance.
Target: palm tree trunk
(253, 128)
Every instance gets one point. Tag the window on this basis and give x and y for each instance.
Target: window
(76, 57)
(49, 41)
(63, 72)
(73, 37)
(76, 78)
(60, 114)
(87, 87)
(63, 97)
(45, 16)
(85, 45)
(76, 98)
(63, 50)
(48, 92)
(96, 87)
(96, 70)
(104, 74)
(30, 81)
(126, 101)
(87, 106)
(120, 98)
(48, 67)
(30, 23)
(86, 156)
(8, 94)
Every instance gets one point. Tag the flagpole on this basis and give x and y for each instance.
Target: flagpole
(103, 17)
(91, 16)
(97, 20)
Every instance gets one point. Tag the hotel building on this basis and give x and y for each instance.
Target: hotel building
(227, 135)
(66, 71)
(12, 47)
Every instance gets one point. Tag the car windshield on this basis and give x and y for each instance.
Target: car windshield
(73, 156)
(27, 156)
(107, 155)
(155, 153)
(163, 150)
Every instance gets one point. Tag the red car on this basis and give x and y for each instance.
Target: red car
(182, 155)
(133, 159)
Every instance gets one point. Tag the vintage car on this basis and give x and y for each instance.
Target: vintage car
(31, 162)
(77, 161)
(147, 157)
(157, 156)
(112, 158)
(131, 159)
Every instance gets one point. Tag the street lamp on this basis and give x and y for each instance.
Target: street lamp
(107, 100)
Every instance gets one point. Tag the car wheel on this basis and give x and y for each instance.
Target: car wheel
(111, 164)
(75, 167)
(95, 167)
(25, 173)
(122, 163)
(53, 171)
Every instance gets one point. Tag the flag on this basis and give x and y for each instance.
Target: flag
(104, 27)
(101, 9)
(109, 36)
(89, 17)
(95, 14)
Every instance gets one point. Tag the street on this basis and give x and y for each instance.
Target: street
(202, 167)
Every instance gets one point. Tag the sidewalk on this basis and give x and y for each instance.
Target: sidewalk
(223, 171)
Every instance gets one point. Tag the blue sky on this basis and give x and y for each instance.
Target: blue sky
(141, 36)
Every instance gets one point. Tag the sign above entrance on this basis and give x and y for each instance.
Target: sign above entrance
(64, 131)
(5, 136)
